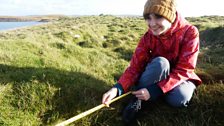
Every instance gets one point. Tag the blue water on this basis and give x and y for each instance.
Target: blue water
(12, 25)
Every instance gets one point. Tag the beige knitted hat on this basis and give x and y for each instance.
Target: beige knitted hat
(165, 8)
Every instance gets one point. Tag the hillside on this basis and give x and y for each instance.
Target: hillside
(54, 71)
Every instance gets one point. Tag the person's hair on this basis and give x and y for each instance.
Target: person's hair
(146, 16)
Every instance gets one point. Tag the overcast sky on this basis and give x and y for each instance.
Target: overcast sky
(95, 7)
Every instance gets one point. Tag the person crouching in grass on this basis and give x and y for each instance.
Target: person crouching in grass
(163, 63)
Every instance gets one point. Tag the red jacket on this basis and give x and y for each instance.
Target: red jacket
(180, 45)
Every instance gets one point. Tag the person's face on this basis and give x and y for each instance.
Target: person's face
(157, 24)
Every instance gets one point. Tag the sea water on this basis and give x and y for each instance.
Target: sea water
(13, 25)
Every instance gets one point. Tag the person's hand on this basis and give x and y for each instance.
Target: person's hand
(109, 95)
(142, 94)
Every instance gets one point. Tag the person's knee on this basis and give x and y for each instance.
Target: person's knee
(162, 62)
(155, 71)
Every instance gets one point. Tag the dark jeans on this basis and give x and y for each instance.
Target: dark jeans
(158, 70)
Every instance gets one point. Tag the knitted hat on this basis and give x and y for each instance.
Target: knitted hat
(165, 8)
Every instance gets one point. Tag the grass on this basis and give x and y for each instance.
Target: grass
(54, 71)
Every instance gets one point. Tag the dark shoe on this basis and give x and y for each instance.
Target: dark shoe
(129, 113)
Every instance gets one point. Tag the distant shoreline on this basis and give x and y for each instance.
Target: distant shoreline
(41, 18)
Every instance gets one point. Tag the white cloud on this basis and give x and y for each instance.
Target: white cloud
(200, 7)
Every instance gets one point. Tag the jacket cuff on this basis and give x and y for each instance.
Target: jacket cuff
(120, 89)
(155, 91)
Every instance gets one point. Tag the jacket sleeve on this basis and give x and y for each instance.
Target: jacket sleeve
(186, 63)
(137, 65)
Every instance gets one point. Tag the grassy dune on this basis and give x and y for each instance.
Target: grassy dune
(54, 71)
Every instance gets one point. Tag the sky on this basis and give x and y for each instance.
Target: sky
(188, 8)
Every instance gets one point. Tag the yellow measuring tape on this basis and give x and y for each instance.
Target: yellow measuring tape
(81, 115)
